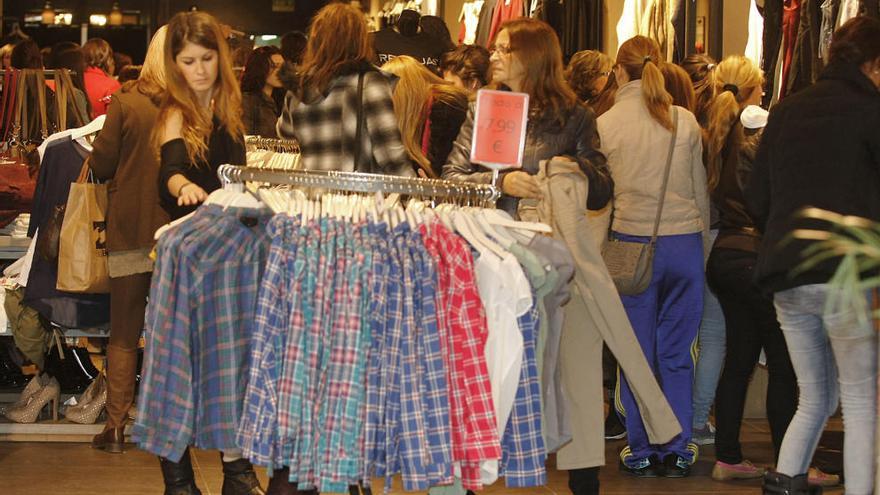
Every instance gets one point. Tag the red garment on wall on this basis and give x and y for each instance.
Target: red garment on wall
(791, 19)
(505, 10)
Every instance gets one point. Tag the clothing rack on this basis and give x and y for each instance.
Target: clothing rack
(46, 72)
(273, 144)
(358, 182)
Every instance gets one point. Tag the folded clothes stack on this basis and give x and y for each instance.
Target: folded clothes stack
(17, 228)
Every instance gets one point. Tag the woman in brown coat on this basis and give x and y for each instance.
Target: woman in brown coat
(124, 155)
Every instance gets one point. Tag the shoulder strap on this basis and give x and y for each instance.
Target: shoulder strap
(21, 129)
(674, 113)
(360, 123)
(41, 100)
(78, 111)
(9, 92)
(60, 102)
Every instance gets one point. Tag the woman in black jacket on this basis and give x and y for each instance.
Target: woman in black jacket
(821, 148)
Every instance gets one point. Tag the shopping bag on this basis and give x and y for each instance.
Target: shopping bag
(82, 250)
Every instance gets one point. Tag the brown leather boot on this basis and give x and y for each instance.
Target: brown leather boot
(121, 371)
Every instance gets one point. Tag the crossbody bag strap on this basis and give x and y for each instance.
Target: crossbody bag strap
(358, 134)
(60, 102)
(20, 129)
(79, 112)
(666, 174)
(9, 89)
(41, 99)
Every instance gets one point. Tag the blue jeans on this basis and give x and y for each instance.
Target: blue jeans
(835, 358)
(710, 358)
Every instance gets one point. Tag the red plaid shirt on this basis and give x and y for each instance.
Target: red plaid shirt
(460, 311)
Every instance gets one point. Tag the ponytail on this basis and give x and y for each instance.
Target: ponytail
(734, 79)
(639, 57)
(722, 115)
(657, 99)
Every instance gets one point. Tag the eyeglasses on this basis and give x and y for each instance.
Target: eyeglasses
(502, 49)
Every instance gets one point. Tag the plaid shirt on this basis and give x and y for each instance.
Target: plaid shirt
(326, 126)
(204, 347)
(474, 429)
(258, 431)
(523, 442)
(434, 387)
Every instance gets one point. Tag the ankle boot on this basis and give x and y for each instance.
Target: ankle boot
(178, 476)
(121, 371)
(280, 483)
(239, 478)
(780, 484)
(584, 481)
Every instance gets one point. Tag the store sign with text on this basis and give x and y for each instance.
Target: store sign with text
(500, 129)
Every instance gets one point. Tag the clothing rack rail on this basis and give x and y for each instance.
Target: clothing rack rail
(46, 72)
(274, 144)
(365, 183)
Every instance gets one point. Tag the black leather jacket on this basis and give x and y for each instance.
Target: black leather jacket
(737, 229)
(578, 139)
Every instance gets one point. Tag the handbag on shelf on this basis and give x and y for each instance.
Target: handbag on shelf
(17, 184)
(82, 246)
(631, 263)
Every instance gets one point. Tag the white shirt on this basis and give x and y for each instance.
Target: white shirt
(506, 296)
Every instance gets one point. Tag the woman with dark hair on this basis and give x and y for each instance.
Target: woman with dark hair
(293, 44)
(26, 55)
(261, 93)
(99, 83)
(821, 148)
(467, 66)
(336, 64)
(74, 60)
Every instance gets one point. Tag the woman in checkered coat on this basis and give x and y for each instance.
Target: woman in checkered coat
(338, 104)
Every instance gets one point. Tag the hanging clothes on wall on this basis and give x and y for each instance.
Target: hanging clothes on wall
(805, 65)
(830, 9)
(772, 47)
(469, 19)
(754, 46)
(484, 25)
(651, 18)
(848, 10)
(577, 23)
(791, 18)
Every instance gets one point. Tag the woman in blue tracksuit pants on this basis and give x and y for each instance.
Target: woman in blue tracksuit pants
(635, 135)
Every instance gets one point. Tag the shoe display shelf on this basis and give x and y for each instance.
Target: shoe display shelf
(45, 429)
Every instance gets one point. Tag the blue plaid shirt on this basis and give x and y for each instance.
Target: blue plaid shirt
(201, 315)
(523, 453)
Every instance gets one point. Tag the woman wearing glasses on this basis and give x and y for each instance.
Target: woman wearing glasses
(261, 93)
(527, 58)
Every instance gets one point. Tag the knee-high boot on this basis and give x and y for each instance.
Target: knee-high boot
(121, 371)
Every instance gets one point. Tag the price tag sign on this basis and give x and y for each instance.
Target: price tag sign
(500, 129)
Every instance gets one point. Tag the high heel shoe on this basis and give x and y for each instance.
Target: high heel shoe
(92, 403)
(37, 382)
(28, 412)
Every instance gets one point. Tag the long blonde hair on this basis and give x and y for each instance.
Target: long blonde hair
(151, 80)
(416, 90)
(735, 78)
(201, 29)
(639, 56)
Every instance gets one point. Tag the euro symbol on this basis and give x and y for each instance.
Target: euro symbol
(496, 147)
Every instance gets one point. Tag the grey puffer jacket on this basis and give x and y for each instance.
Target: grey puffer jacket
(546, 139)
